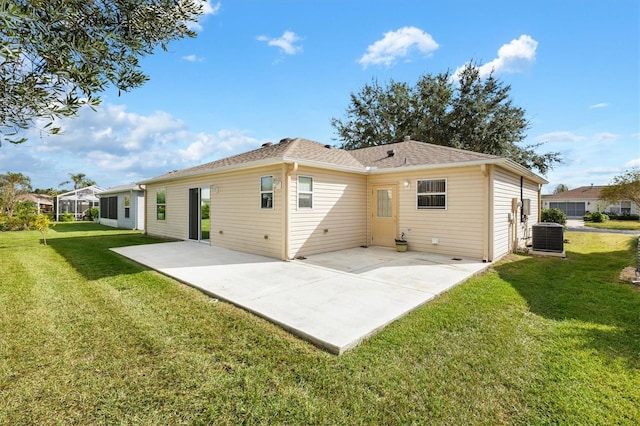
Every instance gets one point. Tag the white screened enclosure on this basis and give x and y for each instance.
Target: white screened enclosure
(77, 202)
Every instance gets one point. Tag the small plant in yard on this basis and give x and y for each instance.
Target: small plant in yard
(67, 217)
(42, 224)
(93, 214)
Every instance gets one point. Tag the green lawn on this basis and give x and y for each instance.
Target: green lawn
(88, 337)
(633, 225)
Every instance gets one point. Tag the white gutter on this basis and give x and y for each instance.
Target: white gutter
(506, 163)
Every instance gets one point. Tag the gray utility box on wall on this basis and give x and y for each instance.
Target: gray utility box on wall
(548, 238)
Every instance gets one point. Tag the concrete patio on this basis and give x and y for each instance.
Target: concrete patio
(334, 300)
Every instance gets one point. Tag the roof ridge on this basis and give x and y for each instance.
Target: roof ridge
(420, 143)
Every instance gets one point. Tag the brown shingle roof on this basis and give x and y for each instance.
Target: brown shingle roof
(405, 154)
(414, 153)
(304, 149)
(290, 149)
(36, 198)
(583, 192)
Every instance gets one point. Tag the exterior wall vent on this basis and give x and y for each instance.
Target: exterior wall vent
(548, 237)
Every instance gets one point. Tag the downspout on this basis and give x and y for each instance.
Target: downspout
(521, 198)
(491, 212)
(539, 203)
(290, 170)
(487, 218)
(143, 188)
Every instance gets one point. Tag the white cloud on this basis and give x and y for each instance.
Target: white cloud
(286, 43)
(513, 57)
(207, 9)
(192, 58)
(559, 137)
(633, 163)
(113, 146)
(599, 105)
(397, 44)
(605, 137)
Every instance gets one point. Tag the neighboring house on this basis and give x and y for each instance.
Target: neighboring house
(300, 197)
(577, 202)
(77, 202)
(122, 207)
(42, 202)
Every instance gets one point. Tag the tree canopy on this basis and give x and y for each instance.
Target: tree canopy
(80, 180)
(12, 185)
(57, 55)
(560, 188)
(623, 187)
(467, 112)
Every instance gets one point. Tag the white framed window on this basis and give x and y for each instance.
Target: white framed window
(625, 207)
(127, 206)
(305, 192)
(431, 194)
(161, 204)
(266, 192)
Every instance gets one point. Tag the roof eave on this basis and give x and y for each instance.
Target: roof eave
(322, 165)
(418, 167)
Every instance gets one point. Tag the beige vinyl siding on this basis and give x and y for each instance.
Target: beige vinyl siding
(458, 228)
(237, 221)
(338, 218)
(506, 186)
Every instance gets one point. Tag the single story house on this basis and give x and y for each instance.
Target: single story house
(42, 202)
(122, 207)
(576, 202)
(77, 202)
(299, 197)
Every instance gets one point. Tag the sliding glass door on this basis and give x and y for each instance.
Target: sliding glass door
(199, 214)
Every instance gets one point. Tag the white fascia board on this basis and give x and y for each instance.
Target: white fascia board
(508, 164)
(520, 169)
(326, 166)
(417, 168)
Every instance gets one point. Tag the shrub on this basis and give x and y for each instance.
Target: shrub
(67, 217)
(599, 217)
(623, 216)
(93, 213)
(13, 223)
(554, 215)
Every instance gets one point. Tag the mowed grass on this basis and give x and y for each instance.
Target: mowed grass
(88, 337)
(632, 225)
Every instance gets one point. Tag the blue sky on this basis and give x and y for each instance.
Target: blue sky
(265, 70)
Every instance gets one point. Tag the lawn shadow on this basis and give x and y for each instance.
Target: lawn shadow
(91, 255)
(85, 227)
(584, 288)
